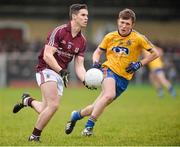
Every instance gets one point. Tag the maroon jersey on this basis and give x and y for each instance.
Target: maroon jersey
(67, 47)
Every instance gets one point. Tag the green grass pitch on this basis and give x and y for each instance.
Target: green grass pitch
(137, 117)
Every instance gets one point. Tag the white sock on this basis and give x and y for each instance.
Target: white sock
(25, 101)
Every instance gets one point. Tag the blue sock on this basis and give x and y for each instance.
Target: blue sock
(172, 91)
(160, 92)
(91, 122)
(76, 116)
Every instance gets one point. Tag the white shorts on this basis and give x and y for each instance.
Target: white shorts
(50, 75)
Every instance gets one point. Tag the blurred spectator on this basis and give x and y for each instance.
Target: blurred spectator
(157, 76)
(30, 49)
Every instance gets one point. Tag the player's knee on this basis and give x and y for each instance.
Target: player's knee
(108, 98)
(90, 109)
(54, 105)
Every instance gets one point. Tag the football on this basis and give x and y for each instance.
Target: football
(93, 77)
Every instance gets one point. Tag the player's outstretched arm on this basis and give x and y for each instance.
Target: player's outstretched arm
(79, 67)
(134, 66)
(97, 55)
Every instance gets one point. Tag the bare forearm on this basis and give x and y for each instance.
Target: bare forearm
(79, 67)
(150, 57)
(96, 55)
(52, 63)
(80, 72)
(49, 58)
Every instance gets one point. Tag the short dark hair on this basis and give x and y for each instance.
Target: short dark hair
(74, 8)
(127, 14)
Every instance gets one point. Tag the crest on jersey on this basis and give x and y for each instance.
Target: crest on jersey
(76, 50)
(69, 45)
(129, 42)
(120, 50)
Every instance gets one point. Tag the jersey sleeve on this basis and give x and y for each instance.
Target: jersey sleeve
(145, 43)
(104, 42)
(54, 37)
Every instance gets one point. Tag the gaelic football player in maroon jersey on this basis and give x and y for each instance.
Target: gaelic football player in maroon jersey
(63, 44)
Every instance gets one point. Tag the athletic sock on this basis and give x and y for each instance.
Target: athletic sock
(160, 92)
(76, 116)
(172, 91)
(27, 101)
(91, 122)
(36, 133)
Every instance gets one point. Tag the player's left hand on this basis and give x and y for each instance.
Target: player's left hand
(96, 65)
(133, 67)
(64, 74)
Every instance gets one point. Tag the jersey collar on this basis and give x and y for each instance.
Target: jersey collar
(125, 35)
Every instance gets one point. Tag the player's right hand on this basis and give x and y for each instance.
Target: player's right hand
(89, 87)
(64, 74)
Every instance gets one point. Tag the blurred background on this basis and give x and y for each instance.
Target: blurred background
(24, 25)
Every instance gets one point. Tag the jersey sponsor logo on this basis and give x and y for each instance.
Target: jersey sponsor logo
(120, 50)
(64, 54)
